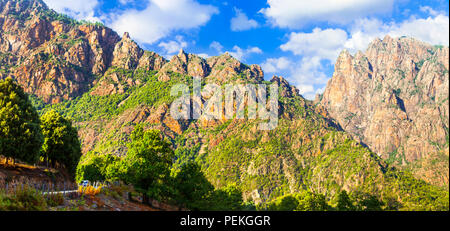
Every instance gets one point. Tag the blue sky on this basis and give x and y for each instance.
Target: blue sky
(297, 39)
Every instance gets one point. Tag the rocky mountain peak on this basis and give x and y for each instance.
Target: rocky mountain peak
(50, 55)
(28, 7)
(287, 90)
(127, 53)
(344, 62)
(225, 68)
(126, 36)
(387, 39)
(221, 69)
(183, 55)
(57, 58)
(151, 61)
(394, 98)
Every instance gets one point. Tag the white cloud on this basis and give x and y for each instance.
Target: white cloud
(305, 89)
(309, 70)
(433, 30)
(241, 22)
(124, 2)
(203, 55)
(161, 17)
(216, 46)
(309, 76)
(295, 13)
(243, 54)
(157, 20)
(320, 48)
(306, 73)
(323, 43)
(272, 65)
(429, 10)
(80, 9)
(174, 46)
(314, 50)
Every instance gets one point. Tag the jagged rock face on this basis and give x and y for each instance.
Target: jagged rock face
(218, 69)
(225, 68)
(127, 53)
(51, 56)
(286, 89)
(178, 64)
(185, 64)
(394, 98)
(57, 58)
(151, 61)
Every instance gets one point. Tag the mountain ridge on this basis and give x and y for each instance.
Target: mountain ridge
(107, 84)
(394, 98)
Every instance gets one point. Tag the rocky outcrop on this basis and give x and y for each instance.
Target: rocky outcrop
(126, 53)
(225, 68)
(394, 98)
(55, 57)
(219, 69)
(151, 61)
(185, 64)
(287, 90)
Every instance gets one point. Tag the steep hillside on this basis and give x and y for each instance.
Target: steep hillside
(394, 98)
(50, 55)
(108, 84)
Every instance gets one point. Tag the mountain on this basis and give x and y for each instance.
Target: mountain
(394, 98)
(107, 84)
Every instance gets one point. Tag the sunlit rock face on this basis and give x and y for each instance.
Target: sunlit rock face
(394, 98)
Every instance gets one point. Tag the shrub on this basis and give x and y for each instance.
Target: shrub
(54, 200)
(23, 200)
(89, 190)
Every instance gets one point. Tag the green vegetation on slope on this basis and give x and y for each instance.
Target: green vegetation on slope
(305, 154)
(90, 107)
(26, 137)
(147, 168)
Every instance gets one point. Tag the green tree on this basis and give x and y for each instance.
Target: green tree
(371, 203)
(61, 143)
(227, 199)
(147, 163)
(192, 187)
(96, 167)
(20, 132)
(284, 203)
(309, 201)
(366, 202)
(303, 201)
(344, 202)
